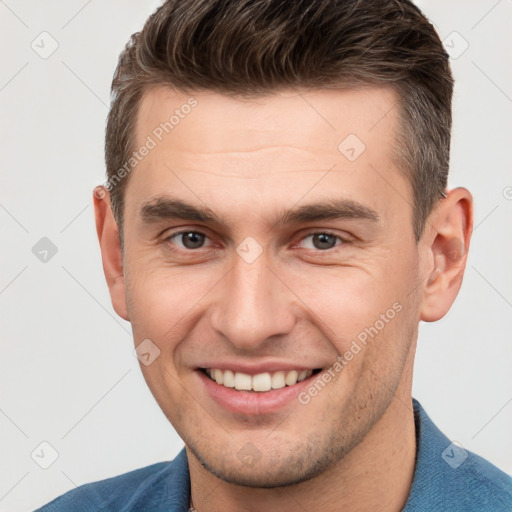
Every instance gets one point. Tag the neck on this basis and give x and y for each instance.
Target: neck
(376, 475)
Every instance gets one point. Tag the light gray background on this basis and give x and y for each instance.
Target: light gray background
(68, 373)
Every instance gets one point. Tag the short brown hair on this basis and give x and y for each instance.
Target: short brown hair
(248, 48)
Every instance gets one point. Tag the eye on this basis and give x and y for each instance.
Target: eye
(321, 241)
(188, 239)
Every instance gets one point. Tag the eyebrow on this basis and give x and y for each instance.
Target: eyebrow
(168, 208)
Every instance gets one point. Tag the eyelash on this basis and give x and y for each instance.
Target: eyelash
(343, 241)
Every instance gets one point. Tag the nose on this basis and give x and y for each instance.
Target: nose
(253, 304)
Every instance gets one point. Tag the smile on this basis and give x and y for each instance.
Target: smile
(260, 382)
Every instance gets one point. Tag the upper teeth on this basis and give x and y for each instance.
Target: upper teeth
(260, 382)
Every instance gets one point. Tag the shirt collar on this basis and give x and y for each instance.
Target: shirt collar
(430, 444)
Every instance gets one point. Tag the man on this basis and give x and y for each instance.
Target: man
(275, 224)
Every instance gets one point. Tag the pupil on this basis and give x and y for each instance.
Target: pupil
(324, 241)
(192, 240)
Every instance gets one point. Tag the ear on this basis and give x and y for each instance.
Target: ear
(446, 242)
(111, 254)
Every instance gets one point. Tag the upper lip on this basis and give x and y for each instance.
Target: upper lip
(256, 368)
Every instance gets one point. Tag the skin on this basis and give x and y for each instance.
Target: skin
(352, 447)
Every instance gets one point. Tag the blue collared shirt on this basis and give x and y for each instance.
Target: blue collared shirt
(447, 478)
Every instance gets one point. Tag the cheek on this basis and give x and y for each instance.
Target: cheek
(161, 299)
(365, 311)
(347, 300)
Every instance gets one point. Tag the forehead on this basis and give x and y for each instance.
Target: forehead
(233, 151)
(302, 119)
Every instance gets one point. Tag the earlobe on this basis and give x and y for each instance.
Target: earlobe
(111, 254)
(447, 242)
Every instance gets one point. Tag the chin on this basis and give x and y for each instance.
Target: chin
(274, 469)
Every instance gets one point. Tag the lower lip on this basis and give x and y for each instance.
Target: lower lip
(253, 402)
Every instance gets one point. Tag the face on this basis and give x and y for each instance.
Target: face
(269, 246)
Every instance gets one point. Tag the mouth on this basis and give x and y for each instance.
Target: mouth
(259, 383)
(257, 392)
